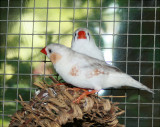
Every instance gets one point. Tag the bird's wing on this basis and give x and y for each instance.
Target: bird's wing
(94, 64)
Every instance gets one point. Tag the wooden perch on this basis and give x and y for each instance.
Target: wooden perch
(53, 107)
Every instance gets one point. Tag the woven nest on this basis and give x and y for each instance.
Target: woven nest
(53, 107)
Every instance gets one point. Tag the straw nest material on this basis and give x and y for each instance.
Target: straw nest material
(53, 106)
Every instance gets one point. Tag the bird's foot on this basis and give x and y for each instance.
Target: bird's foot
(76, 89)
(58, 84)
(83, 95)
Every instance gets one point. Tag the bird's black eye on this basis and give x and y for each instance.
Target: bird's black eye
(50, 51)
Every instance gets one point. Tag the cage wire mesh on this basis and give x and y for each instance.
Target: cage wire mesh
(127, 31)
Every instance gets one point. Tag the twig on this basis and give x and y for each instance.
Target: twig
(20, 97)
(114, 96)
(40, 86)
(55, 81)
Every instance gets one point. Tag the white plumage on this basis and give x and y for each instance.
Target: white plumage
(83, 42)
(86, 72)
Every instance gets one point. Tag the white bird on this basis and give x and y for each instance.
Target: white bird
(86, 72)
(83, 42)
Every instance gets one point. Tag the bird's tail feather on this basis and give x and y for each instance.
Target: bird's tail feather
(136, 84)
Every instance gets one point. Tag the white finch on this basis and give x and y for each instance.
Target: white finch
(83, 42)
(86, 72)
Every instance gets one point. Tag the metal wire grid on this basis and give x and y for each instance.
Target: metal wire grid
(125, 117)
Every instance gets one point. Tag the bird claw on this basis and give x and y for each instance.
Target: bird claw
(83, 95)
(76, 89)
(58, 84)
(76, 101)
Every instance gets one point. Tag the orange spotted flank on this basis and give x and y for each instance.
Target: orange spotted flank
(96, 72)
(74, 71)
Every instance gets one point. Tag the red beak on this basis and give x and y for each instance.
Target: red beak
(82, 35)
(44, 51)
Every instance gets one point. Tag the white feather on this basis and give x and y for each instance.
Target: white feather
(109, 77)
(86, 46)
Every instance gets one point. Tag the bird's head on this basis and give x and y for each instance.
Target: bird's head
(81, 33)
(54, 52)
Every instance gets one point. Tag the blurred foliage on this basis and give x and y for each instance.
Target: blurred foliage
(23, 64)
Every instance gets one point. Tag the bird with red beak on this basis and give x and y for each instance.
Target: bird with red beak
(86, 72)
(83, 42)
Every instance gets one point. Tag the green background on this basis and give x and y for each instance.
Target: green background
(127, 31)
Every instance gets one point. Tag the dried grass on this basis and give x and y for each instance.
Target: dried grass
(53, 107)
